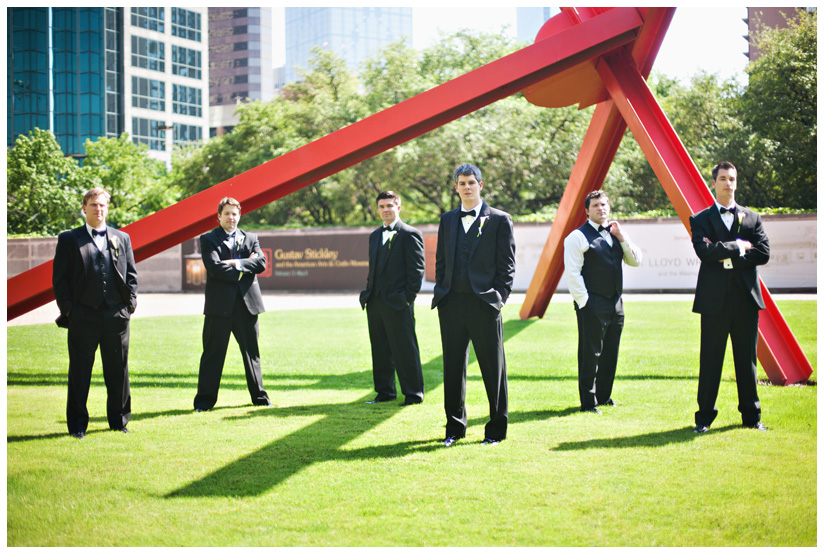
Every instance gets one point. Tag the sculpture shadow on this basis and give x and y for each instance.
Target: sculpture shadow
(323, 440)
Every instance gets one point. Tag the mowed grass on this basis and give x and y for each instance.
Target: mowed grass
(324, 469)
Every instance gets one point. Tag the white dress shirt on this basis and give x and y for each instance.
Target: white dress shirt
(727, 219)
(99, 240)
(575, 245)
(386, 234)
(468, 222)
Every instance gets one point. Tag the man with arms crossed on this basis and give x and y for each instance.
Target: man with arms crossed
(95, 285)
(394, 279)
(731, 243)
(593, 256)
(233, 301)
(474, 269)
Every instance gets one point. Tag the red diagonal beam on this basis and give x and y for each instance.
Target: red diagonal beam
(598, 149)
(357, 142)
(778, 350)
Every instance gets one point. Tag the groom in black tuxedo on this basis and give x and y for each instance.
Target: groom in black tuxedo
(394, 279)
(731, 243)
(95, 285)
(233, 301)
(474, 269)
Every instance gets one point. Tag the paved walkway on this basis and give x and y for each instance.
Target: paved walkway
(182, 304)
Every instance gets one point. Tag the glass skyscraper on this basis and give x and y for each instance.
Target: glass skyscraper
(354, 34)
(85, 73)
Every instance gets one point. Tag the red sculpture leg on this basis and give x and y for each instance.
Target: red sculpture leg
(778, 350)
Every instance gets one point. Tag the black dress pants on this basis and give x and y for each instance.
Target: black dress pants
(739, 319)
(464, 317)
(107, 327)
(600, 325)
(394, 347)
(216, 331)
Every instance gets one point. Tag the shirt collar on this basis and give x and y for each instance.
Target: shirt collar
(718, 206)
(477, 208)
(89, 229)
(393, 224)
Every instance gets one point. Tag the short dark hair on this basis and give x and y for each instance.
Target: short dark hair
(95, 192)
(592, 195)
(721, 166)
(467, 169)
(387, 194)
(230, 202)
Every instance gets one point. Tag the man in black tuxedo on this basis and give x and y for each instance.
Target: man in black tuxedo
(394, 279)
(475, 262)
(593, 256)
(731, 243)
(95, 284)
(233, 301)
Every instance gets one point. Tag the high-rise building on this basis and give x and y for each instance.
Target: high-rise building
(240, 62)
(354, 34)
(85, 73)
(530, 20)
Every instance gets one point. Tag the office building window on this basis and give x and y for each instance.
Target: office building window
(148, 53)
(186, 24)
(186, 62)
(187, 134)
(148, 18)
(149, 132)
(148, 93)
(186, 101)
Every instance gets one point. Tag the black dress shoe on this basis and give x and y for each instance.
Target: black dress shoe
(450, 441)
(380, 399)
(591, 409)
(78, 435)
(200, 410)
(610, 403)
(700, 429)
(411, 401)
(488, 441)
(758, 426)
(123, 429)
(267, 403)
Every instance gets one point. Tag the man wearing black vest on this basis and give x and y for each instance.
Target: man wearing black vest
(232, 302)
(593, 256)
(394, 279)
(95, 285)
(731, 243)
(475, 262)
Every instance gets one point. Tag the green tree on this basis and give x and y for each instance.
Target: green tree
(136, 182)
(780, 107)
(43, 187)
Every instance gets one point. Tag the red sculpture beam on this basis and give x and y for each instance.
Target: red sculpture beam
(339, 150)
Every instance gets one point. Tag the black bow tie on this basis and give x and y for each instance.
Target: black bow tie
(95, 233)
(471, 213)
(723, 210)
(386, 228)
(605, 228)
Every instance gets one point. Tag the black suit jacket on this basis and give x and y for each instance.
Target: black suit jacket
(223, 282)
(73, 261)
(399, 277)
(713, 279)
(492, 256)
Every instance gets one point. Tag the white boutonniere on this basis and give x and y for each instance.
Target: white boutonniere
(481, 221)
(391, 237)
(114, 244)
(741, 216)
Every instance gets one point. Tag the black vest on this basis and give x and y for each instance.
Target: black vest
(101, 286)
(461, 276)
(602, 268)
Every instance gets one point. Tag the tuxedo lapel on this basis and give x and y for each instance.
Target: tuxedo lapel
(87, 249)
(451, 228)
(717, 223)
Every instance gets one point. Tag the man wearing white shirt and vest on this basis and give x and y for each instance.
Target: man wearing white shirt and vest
(730, 241)
(593, 256)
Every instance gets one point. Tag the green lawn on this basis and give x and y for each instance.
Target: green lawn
(323, 468)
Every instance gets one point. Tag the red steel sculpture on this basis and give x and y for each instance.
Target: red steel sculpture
(582, 56)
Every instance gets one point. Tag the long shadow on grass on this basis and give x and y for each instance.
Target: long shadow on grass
(653, 439)
(323, 440)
